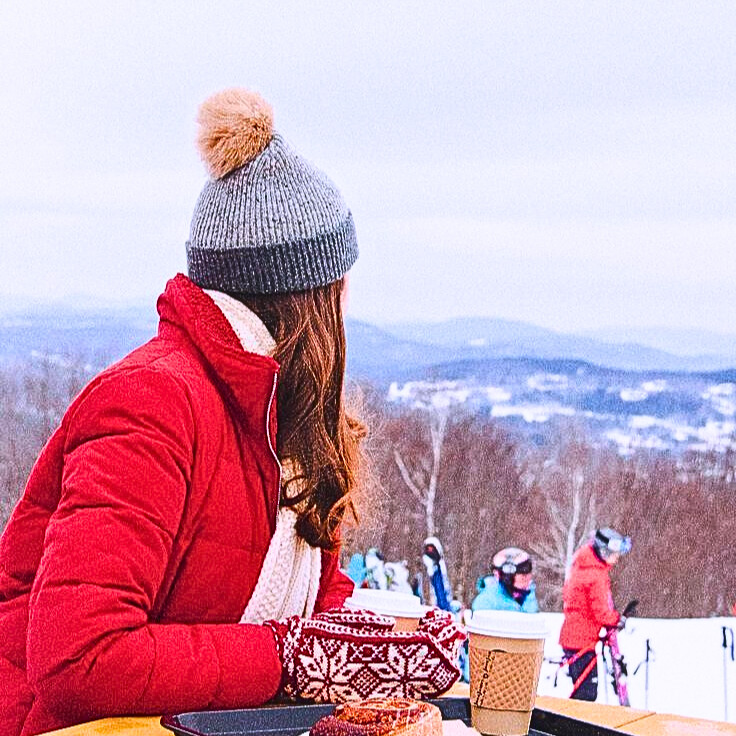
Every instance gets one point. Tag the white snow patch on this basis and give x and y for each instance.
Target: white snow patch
(398, 394)
(724, 406)
(633, 394)
(478, 342)
(445, 399)
(547, 382)
(718, 435)
(426, 394)
(496, 394)
(412, 389)
(642, 421)
(627, 443)
(721, 389)
(654, 387)
(531, 413)
(688, 673)
(722, 398)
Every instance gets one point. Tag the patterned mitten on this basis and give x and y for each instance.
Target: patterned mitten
(347, 655)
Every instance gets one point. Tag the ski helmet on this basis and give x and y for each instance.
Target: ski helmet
(607, 541)
(510, 562)
(433, 549)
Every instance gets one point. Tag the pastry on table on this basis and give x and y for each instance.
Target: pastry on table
(381, 717)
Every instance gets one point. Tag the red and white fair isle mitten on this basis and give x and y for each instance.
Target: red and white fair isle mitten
(347, 655)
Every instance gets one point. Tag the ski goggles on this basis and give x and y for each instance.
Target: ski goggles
(621, 545)
(511, 568)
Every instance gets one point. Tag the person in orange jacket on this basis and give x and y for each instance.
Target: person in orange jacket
(588, 607)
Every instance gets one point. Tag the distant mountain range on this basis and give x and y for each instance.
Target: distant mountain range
(680, 341)
(98, 335)
(400, 349)
(101, 333)
(535, 380)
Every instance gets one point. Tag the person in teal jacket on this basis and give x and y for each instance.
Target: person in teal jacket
(510, 586)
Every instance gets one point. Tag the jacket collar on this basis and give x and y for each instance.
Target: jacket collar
(246, 380)
(252, 334)
(586, 557)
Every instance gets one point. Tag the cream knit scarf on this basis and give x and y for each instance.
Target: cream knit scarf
(289, 579)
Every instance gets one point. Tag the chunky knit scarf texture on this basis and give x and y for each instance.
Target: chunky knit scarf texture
(289, 579)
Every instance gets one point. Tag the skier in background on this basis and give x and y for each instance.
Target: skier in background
(397, 577)
(588, 607)
(434, 563)
(510, 587)
(375, 574)
(458, 611)
(356, 569)
(417, 585)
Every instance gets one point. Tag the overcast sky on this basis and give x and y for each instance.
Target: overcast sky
(569, 164)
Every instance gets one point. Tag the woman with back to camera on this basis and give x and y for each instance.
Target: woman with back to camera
(176, 546)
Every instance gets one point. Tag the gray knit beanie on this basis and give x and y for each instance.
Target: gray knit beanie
(267, 221)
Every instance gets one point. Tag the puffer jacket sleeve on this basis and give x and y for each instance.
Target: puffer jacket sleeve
(600, 600)
(92, 650)
(334, 586)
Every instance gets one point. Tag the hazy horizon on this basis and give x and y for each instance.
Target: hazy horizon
(655, 336)
(569, 166)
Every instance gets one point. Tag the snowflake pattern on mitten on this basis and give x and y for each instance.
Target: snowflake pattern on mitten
(345, 655)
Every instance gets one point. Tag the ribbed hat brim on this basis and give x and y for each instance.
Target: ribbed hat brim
(279, 268)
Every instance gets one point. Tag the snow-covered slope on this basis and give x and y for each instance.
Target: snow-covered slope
(686, 668)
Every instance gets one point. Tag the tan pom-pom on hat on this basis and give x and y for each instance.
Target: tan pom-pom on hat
(267, 221)
(235, 125)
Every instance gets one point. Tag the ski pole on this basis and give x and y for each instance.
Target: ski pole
(608, 679)
(646, 676)
(648, 657)
(726, 631)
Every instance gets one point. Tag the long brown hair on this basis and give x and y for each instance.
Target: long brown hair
(316, 436)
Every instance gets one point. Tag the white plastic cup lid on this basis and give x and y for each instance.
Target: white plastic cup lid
(386, 602)
(508, 624)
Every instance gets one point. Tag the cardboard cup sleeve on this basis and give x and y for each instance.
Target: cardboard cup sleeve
(501, 680)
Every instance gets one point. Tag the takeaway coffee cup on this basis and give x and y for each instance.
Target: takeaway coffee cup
(404, 607)
(506, 650)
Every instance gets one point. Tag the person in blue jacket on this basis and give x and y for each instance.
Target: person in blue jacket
(433, 556)
(356, 569)
(510, 586)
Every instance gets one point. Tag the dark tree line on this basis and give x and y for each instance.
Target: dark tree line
(438, 469)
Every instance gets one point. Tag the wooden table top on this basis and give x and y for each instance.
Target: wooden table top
(626, 720)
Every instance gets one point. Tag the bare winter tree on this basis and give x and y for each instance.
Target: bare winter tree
(390, 517)
(565, 484)
(477, 493)
(482, 502)
(33, 397)
(421, 473)
(679, 513)
(492, 491)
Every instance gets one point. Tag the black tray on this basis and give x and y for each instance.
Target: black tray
(291, 720)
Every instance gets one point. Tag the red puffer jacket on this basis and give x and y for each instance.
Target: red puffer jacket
(587, 601)
(138, 541)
